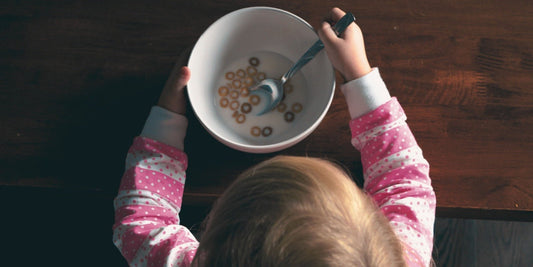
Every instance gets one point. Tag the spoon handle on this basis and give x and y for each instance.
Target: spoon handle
(339, 28)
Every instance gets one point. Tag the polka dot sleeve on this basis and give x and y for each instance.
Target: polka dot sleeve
(397, 177)
(147, 229)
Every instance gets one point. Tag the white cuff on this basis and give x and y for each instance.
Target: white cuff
(165, 126)
(365, 93)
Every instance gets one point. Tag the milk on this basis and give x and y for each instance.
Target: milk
(274, 66)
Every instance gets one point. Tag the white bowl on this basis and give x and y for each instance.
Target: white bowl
(242, 34)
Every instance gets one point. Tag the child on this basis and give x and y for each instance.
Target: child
(286, 211)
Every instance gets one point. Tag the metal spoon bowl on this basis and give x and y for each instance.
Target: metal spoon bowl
(272, 89)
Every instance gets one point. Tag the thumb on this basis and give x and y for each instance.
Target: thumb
(178, 78)
(180, 74)
(184, 75)
(172, 97)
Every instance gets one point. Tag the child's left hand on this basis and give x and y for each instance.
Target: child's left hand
(172, 97)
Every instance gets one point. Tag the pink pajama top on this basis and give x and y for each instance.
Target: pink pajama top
(147, 228)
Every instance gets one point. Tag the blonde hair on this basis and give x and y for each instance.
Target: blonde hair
(297, 211)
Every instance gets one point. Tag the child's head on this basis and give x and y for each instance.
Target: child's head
(297, 211)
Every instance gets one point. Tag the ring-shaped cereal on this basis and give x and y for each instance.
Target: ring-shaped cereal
(251, 70)
(288, 88)
(230, 75)
(248, 81)
(288, 116)
(296, 107)
(235, 114)
(240, 118)
(246, 108)
(223, 91)
(255, 99)
(234, 105)
(255, 131)
(241, 73)
(245, 92)
(254, 61)
(266, 131)
(234, 94)
(224, 102)
(281, 107)
(236, 84)
(261, 76)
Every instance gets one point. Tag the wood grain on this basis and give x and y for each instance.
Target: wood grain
(77, 80)
(473, 243)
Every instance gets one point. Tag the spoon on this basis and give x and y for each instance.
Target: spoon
(273, 88)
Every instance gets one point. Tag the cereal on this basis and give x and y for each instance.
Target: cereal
(230, 75)
(241, 73)
(236, 84)
(234, 105)
(234, 94)
(246, 108)
(267, 131)
(249, 81)
(254, 61)
(245, 92)
(224, 102)
(255, 100)
(255, 131)
(288, 88)
(240, 118)
(261, 76)
(223, 91)
(281, 107)
(296, 107)
(288, 116)
(251, 71)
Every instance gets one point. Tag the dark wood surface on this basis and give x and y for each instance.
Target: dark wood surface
(78, 78)
(479, 243)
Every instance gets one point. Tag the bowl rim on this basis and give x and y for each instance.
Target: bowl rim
(278, 145)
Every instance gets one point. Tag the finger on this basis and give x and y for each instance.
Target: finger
(326, 34)
(172, 97)
(182, 60)
(179, 79)
(176, 73)
(336, 14)
(183, 77)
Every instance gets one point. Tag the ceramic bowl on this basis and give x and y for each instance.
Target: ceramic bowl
(243, 34)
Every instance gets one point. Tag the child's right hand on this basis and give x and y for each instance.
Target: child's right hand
(347, 52)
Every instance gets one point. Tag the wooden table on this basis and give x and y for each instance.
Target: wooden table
(78, 78)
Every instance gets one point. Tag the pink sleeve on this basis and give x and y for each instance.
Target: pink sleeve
(147, 229)
(397, 177)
